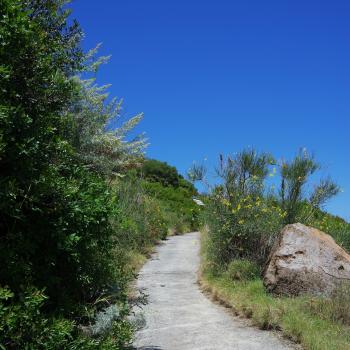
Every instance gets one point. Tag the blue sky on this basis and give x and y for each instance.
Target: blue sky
(216, 76)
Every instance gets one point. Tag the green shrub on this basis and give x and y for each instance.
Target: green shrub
(156, 226)
(244, 227)
(178, 208)
(157, 171)
(335, 226)
(242, 270)
(25, 325)
(54, 212)
(55, 208)
(141, 222)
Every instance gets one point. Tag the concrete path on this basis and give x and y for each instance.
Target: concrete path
(180, 317)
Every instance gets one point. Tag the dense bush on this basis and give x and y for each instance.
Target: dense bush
(244, 215)
(179, 210)
(173, 193)
(66, 226)
(242, 221)
(157, 171)
(140, 223)
(25, 325)
(241, 228)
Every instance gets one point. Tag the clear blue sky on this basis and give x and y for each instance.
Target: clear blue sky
(216, 76)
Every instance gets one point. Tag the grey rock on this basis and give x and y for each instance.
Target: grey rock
(305, 260)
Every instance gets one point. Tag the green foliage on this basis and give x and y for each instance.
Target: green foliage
(172, 192)
(337, 227)
(49, 203)
(55, 213)
(244, 215)
(155, 170)
(23, 325)
(178, 207)
(242, 270)
(39, 174)
(294, 177)
(140, 223)
(244, 227)
(72, 228)
(242, 221)
(244, 174)
(103, 149)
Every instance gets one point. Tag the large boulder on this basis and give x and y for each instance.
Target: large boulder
(305, 260)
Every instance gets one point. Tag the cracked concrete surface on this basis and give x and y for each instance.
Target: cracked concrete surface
(178, 316)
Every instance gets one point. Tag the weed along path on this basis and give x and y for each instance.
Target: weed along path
(178, 316)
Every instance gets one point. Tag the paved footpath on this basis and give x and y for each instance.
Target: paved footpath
(180, 317)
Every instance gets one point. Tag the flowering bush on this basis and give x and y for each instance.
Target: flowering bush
(242, 228)
(244, 215)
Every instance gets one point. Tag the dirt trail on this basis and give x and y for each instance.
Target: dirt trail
(180, 317)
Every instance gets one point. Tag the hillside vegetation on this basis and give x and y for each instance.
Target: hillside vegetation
(255, 198)
(175, 194)
(76, 212)
(81, 206)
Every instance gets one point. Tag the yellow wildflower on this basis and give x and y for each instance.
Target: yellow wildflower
(225, 202)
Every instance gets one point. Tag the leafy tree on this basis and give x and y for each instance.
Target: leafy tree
(155, 170)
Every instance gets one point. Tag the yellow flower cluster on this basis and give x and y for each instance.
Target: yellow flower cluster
(225, 202)
(249, 203)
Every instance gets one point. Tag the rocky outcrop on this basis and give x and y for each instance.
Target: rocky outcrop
(305, 260)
